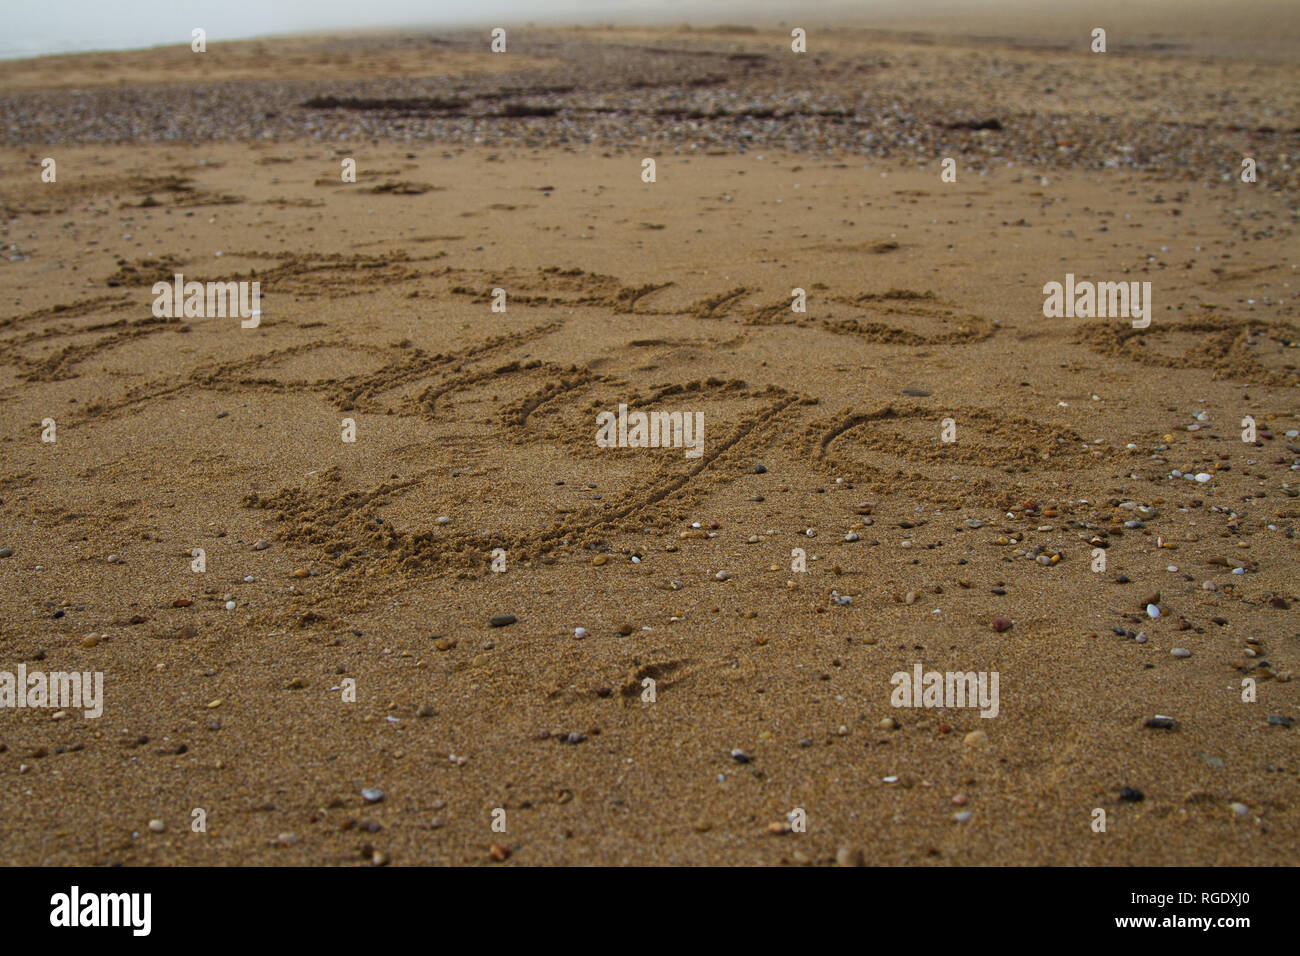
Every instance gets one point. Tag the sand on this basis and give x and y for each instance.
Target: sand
(772, 694)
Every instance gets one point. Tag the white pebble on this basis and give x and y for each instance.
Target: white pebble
(1153, 611)
(230, 605)
(579, 632)
(1181, 652)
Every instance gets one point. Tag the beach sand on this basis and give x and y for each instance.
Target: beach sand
(823, 431)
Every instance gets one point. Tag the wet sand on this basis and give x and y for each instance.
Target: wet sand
(823, 432)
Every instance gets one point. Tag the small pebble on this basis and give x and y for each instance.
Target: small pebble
(372, 795)
(1000, 624)
(502, 620)
(157, 826)
(1181, 652)
(848, 856)
(579, 632)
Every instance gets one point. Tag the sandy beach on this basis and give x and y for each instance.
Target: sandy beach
(472, 612)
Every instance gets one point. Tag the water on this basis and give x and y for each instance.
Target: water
(38, 27)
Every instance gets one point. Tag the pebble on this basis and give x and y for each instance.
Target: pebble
(502, 620)
(1131, 795)
(1000, 624)
(962, 817)
(739, 756)
(848, 856)
(1153, 611)
(499, 853)
(261, 544)
(1181, 652)
(157, 826)
(113, 559)
(851, 537)
(579, 632)
(721, 576)
(760, 469)
(976, 738)
(302, 573)
(6, 552)
(1240, 809)
(443, 519)
(1161, 722)
(230, 605)
(372, 795)
(888, 723)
